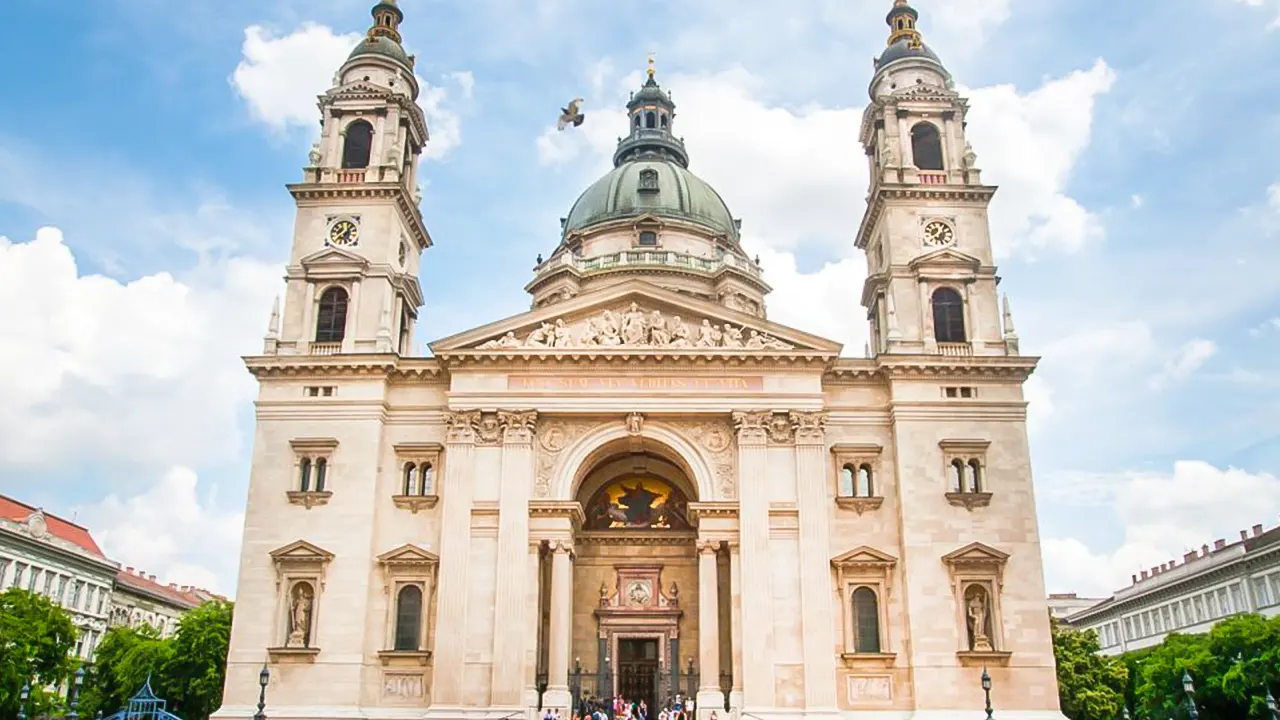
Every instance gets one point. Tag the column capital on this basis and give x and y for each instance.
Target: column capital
(752, 427)
(462, 426)
(518, 426)
(708, 546)
(563, 546)
(810, 427)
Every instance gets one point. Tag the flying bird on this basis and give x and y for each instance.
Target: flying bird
(571, 115)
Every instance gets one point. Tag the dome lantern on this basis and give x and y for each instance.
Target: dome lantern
(650, 116)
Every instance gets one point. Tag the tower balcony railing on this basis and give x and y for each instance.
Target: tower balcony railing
(954, 349)
(327, 348)
(648, 258)
(352, 176)
(929, 177)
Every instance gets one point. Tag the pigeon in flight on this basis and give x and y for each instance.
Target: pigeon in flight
(571, 115)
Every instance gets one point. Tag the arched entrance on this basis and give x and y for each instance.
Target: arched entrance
(635, 599)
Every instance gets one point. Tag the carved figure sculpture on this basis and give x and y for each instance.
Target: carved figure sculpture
(732, 336)
(300, 616)
(543, 336)
(976, 611)
(679, 332)
(708, 335)
(314, 156)
(658, 333)
(609, 329)
(604, 594)
(970, 157)
(633, 326)
(563, 337)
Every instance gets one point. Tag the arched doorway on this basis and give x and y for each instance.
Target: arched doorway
(635, 600)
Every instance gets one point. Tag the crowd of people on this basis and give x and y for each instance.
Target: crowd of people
(620, 708)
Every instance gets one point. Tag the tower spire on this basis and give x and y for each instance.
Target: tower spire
(651, 70)
(902, 24)
(387, 17)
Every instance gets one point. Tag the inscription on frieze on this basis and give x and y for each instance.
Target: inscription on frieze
(645, 383)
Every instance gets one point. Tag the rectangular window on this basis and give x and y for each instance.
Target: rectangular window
(1197, 605)
(4, 566)
(1128, 628)
(48, 582)
(75, 595)
(62, 589)
(32, 579)
(18, 571)
(1237, 599)
(102, 598)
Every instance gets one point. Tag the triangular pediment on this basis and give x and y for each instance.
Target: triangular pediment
(358, 89)
(634, 316)
(976, 553)
(301, 551)
(863, 556)
(408, 554)
(947, 259)
(333, 257)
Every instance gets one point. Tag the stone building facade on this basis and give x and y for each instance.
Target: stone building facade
(140, 600)
(1191, 595)
(642, 477)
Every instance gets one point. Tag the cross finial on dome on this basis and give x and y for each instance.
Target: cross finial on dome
(651, 71)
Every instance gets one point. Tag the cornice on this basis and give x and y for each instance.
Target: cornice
(907, 367)
(542, 281)
(396, 191)
(385, 365)
(715, 358)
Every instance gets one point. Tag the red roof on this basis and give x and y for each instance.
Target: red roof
(11, 509)
(180, 596)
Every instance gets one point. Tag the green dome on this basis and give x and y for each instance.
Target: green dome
(382, 45)
(680, 195)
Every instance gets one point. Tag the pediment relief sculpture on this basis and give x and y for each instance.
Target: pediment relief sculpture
(637, 327)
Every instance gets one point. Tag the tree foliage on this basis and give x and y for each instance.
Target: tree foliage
(36, 639)
(186, 669)
(1090, 685)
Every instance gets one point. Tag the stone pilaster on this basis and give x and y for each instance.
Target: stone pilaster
(815, 561)
(511, 604)
(735, 622)
(561, 623)
(708, 621)
(753, 518)
(533, 597)
(455, 557)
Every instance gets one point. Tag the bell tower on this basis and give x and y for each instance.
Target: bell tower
(931, 283)
(352, 280)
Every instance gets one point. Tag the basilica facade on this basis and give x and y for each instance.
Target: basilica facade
(643, 486)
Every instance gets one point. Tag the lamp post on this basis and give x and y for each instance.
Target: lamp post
(1126, 712)
(22, 700)
(986, 689)
(75, 695)
(264, 676)
(1271, 705)
(1189, 688)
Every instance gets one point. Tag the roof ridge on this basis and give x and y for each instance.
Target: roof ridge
(35, 508)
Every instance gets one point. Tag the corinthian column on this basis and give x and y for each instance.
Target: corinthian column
(708, 623)
(561, 622)
(511, 604)
(815, 562)
(455, 555)
(753, 522)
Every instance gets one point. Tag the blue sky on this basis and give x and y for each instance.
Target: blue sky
(1135, 226)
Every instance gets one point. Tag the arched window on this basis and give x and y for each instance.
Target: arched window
(926, 146)
(427, 479)
(408, 618)
(304, 475)
(948, 316)
(322, 466)
(357, 145)
(846, 481)
(866, 621)
(975, 476)
(865, 487)
(410, 479)
(331, 319)
(637, 121)
(664, 121)
(957, 476)
(650, 120)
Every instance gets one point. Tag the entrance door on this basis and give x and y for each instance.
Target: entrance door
(638, 671)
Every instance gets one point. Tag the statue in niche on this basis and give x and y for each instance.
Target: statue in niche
(604, 594)
(300, 615)
(977, 609)
(674, 595)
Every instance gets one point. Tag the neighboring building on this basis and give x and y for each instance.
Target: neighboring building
(643, 474)
(1189, 597)
(1062, 605)
(45, 554)
(140, 600)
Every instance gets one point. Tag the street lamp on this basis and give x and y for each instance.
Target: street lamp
(1126, 712)
(1189, 688)
(1271, 705)
(264, 676)
(22, 700)
(986, 689)
(75, 695)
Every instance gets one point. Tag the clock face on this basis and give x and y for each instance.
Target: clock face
(938, 234)
(344, 233)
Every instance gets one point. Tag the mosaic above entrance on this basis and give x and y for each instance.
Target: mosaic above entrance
(636, 327)
(638, 503)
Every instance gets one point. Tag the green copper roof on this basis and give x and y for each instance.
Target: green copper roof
(679, 194)
(382, 45)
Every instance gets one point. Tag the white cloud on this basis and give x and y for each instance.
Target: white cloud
(144, 372)
(1273, 196)
(171, 530)
(1268, 325)
(1039, 397)
(1136, 201)
(1189, 358)
(1273, 4)
(800, 178)
(279, 79)
(1163, 515)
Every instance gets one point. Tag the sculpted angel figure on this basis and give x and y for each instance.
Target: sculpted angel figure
(708, 335)
(679, 332)
(543, 336)
(563, 335)
(633, 326)
(732, 336)
(658, 333)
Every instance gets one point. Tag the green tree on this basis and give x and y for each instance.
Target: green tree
(196, 670)
(123, 661)
(36, 639)
(1091, 686)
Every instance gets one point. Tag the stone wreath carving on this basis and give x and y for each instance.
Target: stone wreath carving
(554, 435)
(635, 327)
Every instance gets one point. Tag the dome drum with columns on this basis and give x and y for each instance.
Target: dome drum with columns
(642, 486)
